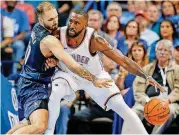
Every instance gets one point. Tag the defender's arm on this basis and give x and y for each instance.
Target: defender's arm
(54, 45)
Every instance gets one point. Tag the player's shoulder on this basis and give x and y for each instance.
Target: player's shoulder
(37, 26)
(40, 31)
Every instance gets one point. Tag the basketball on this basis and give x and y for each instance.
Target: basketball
(156, 111)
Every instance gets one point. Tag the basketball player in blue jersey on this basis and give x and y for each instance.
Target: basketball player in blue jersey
(35, 75)
(86, 47)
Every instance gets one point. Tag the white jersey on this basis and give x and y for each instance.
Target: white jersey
(81, 53)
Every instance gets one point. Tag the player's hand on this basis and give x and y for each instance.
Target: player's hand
(151, 81)
(50, 62)
(102, 83)
(167, 101)
(8, 50)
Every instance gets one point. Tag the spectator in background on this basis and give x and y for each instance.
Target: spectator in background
(176, 54)
(167, 31)
(131, 6)
(169, 12)
(168, 9)
(157, 69)
(153, 15)
(7, 34)
(112, 27)
(97, 5)
(131, 35)
(30, 11)
(21, 25)
(95, 20)
(140, 5)
(157, 3)
(124, 80)
(146, 34)
(64, 10)
(128, 15)
(137, 53)
(114, 8)
(177, 7)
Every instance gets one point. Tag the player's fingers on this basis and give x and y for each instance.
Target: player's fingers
(160, 87)
(108, 84)
(46, 65)
(109, 80)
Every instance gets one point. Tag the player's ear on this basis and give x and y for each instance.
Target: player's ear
(86, 24)
(40, 20)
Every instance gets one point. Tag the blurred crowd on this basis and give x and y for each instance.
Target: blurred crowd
(145, 31)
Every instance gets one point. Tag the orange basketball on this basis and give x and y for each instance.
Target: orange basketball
(156, 111)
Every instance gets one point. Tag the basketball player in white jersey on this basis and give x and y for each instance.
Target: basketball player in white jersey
(86, 47)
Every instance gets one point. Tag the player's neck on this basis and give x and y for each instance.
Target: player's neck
(76, 41)
(45, 27)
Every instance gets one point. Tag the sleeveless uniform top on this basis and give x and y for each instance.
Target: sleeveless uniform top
(81, 54)
(34, 65)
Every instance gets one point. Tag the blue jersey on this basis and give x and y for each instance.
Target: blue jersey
(19, 19)
(34, 65)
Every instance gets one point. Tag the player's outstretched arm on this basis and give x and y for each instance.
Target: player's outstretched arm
(100, 44)
(54, 45)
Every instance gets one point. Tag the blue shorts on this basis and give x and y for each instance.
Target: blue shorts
(31, 94)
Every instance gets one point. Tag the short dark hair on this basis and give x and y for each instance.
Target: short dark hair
(80, 11)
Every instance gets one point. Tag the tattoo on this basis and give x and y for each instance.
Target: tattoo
(82, 72)
(101, 41)
(98, 38)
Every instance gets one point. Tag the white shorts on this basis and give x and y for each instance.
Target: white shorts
(99, 95)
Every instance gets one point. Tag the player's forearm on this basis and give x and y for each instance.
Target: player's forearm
(133, 68)
(82, 72)
(126, 63)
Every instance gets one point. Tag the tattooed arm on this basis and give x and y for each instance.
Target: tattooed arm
(100, 44)
(52, 44)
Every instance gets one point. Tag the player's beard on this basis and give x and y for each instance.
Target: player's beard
(53, 27)
(76, 33)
